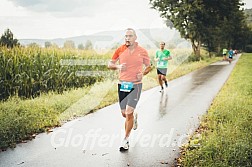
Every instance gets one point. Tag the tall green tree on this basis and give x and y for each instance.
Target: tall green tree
(238, 29)
(218, 24)
(205, 23)
(8, 40)
(248, 15)
(184, 15)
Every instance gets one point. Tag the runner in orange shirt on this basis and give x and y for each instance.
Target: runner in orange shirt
(131, 59)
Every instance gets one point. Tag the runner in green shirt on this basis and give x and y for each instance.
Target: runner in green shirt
(224, 54)
(162, 57)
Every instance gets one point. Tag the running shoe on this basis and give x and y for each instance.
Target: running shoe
(125, 145)
(162, 89)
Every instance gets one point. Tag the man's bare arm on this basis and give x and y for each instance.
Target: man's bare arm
(169, 58)
(113, 66)
(147, 70)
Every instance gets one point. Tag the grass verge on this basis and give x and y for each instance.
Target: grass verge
(224, 137)
(21, 119)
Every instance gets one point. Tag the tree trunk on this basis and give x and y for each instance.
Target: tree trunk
(196, 48)
(210, 54)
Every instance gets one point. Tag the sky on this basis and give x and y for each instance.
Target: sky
(49, 19)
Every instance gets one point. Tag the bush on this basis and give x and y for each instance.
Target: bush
(248, 48)
(194, 58)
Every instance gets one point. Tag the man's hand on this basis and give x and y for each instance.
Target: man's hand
(122, 67)
(140, 76)
(147, 70)
(168, 58)
(113, 66)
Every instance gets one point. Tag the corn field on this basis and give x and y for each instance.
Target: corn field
(28, 72)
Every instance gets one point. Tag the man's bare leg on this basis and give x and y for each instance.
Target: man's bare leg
(165, 80)
(129, 120)
(160, 80)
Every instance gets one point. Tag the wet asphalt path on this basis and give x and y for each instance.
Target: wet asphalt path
(165, 121)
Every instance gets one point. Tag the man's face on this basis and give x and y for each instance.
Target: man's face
(130, 38)
(162, 45)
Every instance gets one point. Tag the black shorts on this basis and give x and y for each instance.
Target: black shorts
(231, 57)
(129, 98)
(162, 71)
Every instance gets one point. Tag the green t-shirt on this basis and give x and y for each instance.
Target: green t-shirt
(161, 55)
(224, 51)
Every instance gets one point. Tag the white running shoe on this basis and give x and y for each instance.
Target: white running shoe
(135, 121)
(161, 90)
(125, 145)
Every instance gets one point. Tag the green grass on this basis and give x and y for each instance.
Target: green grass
(21, 119)
(224, 137)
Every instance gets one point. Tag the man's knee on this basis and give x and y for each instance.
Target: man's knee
(129, 116)
(129, 112)
(123, 113)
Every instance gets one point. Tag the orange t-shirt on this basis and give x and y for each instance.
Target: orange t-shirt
(134, 62)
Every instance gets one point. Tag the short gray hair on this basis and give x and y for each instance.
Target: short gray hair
(131, 29)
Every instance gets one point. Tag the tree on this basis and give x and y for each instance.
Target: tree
(203, 22)
(183, 15)
(8, 40)
(54, 45)
(33, 45)
(69, 44)
(115, 45)
(88, 45)
(238, 28)
(48, 44)
(248, 14)
(81, 46)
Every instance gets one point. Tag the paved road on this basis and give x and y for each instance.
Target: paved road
(165, 121)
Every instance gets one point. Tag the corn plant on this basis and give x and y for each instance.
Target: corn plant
(27, 72)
